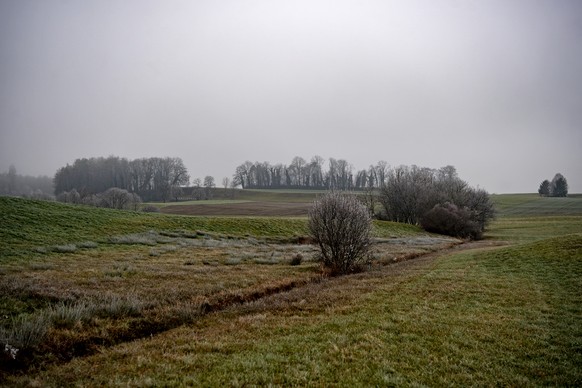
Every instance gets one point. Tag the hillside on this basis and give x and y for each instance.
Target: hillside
(29, 224)
(532, 205)
(101, 297)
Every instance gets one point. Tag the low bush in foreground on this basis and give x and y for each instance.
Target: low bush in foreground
(341, 226)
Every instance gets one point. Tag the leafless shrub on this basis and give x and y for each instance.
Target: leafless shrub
(150, 209)
(341, 226)
(411, 193)
(72, 196)
(38, 194)
(91, 200)
(116, 198)
(451, 220)
(296, 259)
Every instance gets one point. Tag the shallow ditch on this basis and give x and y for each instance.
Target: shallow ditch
(150, 322)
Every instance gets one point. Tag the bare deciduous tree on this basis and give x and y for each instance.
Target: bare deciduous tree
(151, 178)
(208, 185)
(11, 179)
(406, 194)
(341, 226)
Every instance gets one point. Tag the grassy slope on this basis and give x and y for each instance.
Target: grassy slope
(509, 316)
(524, 205)
(528, 217)
(27, 224)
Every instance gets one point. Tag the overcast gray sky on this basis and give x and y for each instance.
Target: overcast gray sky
(493, 87)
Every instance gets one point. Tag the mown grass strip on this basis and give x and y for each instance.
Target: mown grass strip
(528, 229)
(532, 205)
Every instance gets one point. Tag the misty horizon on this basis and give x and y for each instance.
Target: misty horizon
(493, 88)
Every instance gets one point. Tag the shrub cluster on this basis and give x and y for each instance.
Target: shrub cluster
(438, 200)
(150, 209)
(451, 220)
(113, 198)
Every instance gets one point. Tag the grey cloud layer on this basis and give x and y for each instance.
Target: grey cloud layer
(492, 87)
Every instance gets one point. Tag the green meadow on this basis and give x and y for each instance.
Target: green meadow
(134, 299)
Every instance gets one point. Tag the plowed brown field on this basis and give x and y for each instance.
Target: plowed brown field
(256, 209)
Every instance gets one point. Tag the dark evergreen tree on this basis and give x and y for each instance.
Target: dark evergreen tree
(559, 186)
(544, 189)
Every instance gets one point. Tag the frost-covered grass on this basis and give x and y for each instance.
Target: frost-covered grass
(507, 316)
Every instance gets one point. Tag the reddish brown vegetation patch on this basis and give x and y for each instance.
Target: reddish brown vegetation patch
(256, 209)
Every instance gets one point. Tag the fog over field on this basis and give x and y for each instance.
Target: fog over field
(493, 87)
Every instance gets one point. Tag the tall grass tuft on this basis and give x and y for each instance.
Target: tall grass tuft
(88, 244)
(117, 307)
(68, 248)
(70, 315)
(26, 331)
(137, 239)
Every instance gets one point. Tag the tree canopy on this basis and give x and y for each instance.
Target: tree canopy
(558, 187)
(150, 178)
(318, 174)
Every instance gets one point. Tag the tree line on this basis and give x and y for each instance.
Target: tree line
(313, 174)
(153, 179)
(14, 184)
(436, 199)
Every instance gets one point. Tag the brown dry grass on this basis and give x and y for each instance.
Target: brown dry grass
(237, 326)
(255, 209)
(164, 286)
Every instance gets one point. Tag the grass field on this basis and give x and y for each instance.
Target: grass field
(524, 205)
(266, 203)
(159, 300)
